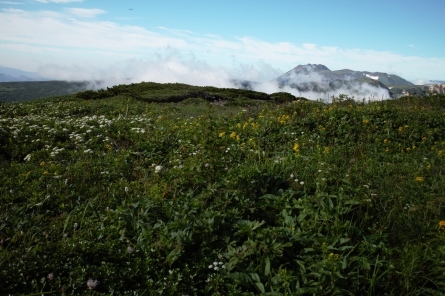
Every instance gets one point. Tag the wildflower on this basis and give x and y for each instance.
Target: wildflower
(442, 224)
(420, 179)
(130, 250)
(158, 168)
(233, 135)
(302, 183)
(365, 121)
(222, 134)
(126, 189)
(50, 276)
(92, 284)
(27, 157)
(296, 147)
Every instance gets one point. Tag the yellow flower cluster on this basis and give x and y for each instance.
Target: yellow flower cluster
(283, 119)
(234, 135)
(296, 148)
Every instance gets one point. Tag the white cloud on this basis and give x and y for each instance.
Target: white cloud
(11, 3)
(75, 37)
(86, 13)
(58, 1)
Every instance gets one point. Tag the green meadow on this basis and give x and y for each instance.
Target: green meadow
(170, 189)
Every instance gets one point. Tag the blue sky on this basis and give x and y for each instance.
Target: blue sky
(206, 41)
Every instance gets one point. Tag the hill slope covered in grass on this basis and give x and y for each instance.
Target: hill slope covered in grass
(154, 193)
(21, 91)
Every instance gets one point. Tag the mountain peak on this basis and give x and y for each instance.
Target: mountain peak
(310, 68)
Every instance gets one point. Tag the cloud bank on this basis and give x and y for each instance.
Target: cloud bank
(76, 44)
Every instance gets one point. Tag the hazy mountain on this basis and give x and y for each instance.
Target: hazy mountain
(341, 75)
(320, 79)
(11, 74)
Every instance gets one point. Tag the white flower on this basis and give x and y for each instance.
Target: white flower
(126, 189)
(216, 268)
(27, 157)
(92, 284)
(130, 250)
(301, 183)
(210, 266)
(50, 276)
(158, 168)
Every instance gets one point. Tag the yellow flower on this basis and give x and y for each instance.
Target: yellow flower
(42, 163)
(420, 179)
(442, 224)
(296, 147)
(233, 135)
(326, 150)
(365, 121)
(222, 134)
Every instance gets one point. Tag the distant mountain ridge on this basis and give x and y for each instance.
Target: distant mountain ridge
(8, 74)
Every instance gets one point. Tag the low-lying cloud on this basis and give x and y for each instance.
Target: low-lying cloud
(172, 67)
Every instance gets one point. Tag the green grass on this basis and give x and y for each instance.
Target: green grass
(30, 90)
(282, 195)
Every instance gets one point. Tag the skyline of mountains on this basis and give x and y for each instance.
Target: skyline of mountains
(312, 81)
(8, 74)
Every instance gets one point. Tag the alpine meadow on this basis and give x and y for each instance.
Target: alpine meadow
(173, 189)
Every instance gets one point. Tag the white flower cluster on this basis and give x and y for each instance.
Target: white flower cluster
(56, 151)
(217, 265)
(138, 130)
(158, 168)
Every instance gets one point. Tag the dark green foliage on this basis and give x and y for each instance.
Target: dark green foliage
(31, 90)
(248, 194)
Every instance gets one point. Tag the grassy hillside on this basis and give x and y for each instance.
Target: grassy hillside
(31, 90)
(171, 189)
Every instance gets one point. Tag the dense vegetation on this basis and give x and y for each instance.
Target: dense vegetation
(31, 90)
(131, 191)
